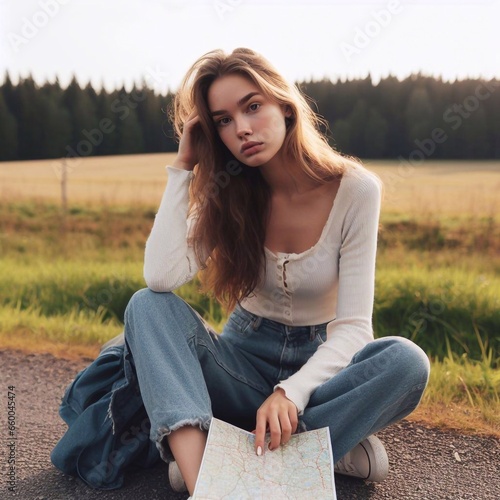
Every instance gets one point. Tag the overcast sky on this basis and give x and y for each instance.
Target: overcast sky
(121, 41)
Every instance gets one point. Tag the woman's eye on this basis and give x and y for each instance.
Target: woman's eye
(254, 106)
(223, 121)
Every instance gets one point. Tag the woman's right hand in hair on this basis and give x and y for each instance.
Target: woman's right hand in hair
(187, 156)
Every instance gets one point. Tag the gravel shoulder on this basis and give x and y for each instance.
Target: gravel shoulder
(426, 462)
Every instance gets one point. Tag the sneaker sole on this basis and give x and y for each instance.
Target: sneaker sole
(378, 456)
(175, 478)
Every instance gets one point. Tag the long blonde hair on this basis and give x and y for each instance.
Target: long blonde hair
(228, 200)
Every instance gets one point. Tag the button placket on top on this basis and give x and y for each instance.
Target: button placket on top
(281, 277)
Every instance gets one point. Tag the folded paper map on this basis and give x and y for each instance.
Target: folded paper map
(303, 468)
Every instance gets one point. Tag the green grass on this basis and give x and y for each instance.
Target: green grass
(85, 328)
(60, 287)
(432, 308)
(474, 384)
(439, 308)
(433, 286)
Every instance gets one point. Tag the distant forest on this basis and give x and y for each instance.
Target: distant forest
(416, 118)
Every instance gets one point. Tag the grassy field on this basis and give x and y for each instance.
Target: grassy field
(65, 280)
(451, 187)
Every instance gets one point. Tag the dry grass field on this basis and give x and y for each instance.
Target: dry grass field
(441, 187)
(435, 187)
(107, 180)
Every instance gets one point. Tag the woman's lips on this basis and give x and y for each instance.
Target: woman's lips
(250, 148)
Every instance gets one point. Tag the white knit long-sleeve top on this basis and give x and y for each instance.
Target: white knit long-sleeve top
(332, 282)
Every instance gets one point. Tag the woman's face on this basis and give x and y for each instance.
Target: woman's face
(251, 126)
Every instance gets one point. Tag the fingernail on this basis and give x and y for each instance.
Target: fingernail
(259, 451)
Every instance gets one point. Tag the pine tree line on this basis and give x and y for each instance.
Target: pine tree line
(417, 118)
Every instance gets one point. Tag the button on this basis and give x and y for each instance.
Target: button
(280, 267)
(287, 313)
(280, 277)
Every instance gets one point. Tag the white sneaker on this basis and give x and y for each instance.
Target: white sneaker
(175, 478)
(367, 460)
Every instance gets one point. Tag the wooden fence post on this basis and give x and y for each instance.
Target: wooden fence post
(64, 186)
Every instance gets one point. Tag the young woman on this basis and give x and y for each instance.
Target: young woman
(282, 230)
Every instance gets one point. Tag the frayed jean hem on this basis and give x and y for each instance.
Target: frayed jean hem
(161, 434)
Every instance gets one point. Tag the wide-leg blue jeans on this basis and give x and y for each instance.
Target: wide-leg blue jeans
(187, 373)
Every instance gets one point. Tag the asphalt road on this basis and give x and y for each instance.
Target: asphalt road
(426, 463)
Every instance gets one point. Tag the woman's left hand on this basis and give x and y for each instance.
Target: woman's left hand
(280, 416)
